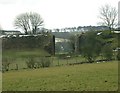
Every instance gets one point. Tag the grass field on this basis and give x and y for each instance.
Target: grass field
(84, 77)
(0, 81)
(19, 57)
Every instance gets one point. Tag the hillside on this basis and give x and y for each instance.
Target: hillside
(64, 35)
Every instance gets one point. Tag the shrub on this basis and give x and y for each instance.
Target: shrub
(90, 46)
(42, 62)
(45, 62)
(107, 52)
(118, 55)
(6, 61)
(30, 62)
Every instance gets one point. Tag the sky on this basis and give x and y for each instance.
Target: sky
(56, 13)
(119, 14)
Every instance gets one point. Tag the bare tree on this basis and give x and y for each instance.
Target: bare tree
(22, 21)
(108, 15)
(29, 22)
(36, 22)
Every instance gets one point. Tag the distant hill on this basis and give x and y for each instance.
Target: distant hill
(64, 35)
(95, 28)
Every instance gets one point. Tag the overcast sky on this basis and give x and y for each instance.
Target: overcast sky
(56, 13)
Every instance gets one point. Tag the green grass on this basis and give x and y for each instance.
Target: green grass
(24, 53)
(88, 77)
(54, 62)
(0, 81)
(57, 61)
(19, 56)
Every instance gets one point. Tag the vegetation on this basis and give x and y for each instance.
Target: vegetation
(93, 44)
(23, 58)
(29, 22)
(85, 77)
(118, 55)
(108, 15)
(90, 46)
(64, 35)
(44, 41)
(41, 62)
(27, 57)
(107, 52)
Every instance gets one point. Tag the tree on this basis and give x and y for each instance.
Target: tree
(108, 15)
(90, 46)
(107, 52)
(29, 22)
(72, 43)
(22, 21)
(118, 55)
(36, 22)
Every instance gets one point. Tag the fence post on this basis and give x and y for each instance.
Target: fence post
(53, 45)
(67, 61)
(58, 62)
(16, 67)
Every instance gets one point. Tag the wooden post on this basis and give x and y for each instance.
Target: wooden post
(58, 62)
(77, 44)
(16, 66)
(53, 45)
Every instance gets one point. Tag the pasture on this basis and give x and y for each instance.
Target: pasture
(84, 77)
(20, 57)
(0, 81)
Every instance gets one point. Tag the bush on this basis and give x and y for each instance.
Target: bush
(30, 62)
(118, 55)
(107, 52)
(90, 46)
(45, 62)
(6, 61)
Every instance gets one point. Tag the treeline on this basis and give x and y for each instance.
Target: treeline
(94, 44)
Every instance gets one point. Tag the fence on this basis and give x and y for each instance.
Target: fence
(39, 62)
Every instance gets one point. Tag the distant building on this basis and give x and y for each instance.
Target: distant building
(9, 32)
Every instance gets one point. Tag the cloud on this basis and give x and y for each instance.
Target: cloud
(7, 1)
(56, 13)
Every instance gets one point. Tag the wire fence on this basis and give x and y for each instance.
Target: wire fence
(42, 62)
(39, 62)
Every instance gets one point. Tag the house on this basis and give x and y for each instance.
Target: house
(117, 32)
(9, 32)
